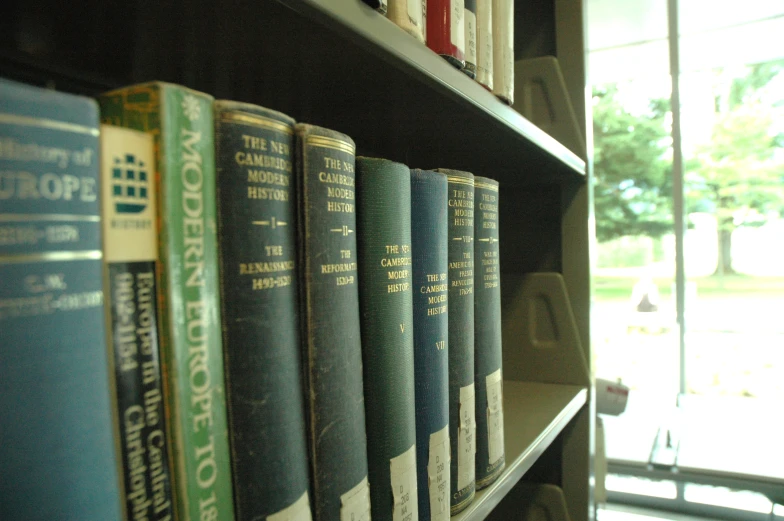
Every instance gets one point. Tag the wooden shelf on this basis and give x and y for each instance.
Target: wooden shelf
(534, 414)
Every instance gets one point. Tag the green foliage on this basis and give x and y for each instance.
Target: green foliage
(633, 190)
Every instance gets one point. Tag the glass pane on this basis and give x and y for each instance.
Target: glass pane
(634, 333)
(732, 96)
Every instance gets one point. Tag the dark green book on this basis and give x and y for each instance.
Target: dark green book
(431, 354)
(332, 350)
(462, 422)
(487, 335)
(387, 325)
(254, 150)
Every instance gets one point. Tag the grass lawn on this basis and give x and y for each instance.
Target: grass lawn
(620, 288)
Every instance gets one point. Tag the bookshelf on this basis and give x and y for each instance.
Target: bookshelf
(339, 64)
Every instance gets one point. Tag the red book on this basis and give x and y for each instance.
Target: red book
(446, 29)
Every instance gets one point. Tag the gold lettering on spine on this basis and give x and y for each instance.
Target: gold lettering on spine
(338, 186)
(268, 179)
(488, 204)
(461, 211)
(395, 263)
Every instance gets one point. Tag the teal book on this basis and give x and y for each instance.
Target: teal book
(181, 123)
(259, 306)
(332, 349)
(383, 193)
(487, 335)
(58, 454)
(131, 253)
(462, 413)
(431, 341)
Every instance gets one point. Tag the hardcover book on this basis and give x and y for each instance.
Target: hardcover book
(431, 342)
(470, 38)
(446, 30)
(181, 121)
(407, 14)
(131, 252)
(58, 455)
(462, 422)
(254, 150)
(484, 43)
(503, 50)
(387, 325)
(487, 335)
(332, 349)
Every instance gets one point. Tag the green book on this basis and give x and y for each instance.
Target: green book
(487, 335)
(462, 422)
(190, 337)
(387, 325)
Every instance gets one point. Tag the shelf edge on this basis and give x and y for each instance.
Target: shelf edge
(364, 25)
(486, 500)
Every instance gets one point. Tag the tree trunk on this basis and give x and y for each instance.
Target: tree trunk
(724, 266)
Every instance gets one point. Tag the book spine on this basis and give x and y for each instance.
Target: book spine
(487, 335)
(259, 308)
(130, 253)
(503, 50)
(484, 43)
(470, 38)
(387, 325)
(58, 455)
(407, 14)
(431, 355)
(332, 350)
(462, 422)
(190, 340)
(446, 30)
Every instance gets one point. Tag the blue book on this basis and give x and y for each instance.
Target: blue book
(57, 455)
(431, 345)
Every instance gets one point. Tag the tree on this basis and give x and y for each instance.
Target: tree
(738, 173)
(737, 176)
(633, 190)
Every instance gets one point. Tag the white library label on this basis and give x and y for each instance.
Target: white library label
(403, 477)
(457, 29)
(495, 416)
(355, 504)
(438, 477)
(466, 446)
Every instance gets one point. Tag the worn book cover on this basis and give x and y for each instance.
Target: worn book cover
(446, 30)
(462, 414)
(487, 334)
(332, 349)
(259, 306)
(387, 325)
(430, 261)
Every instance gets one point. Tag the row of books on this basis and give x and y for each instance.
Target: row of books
(476, 36)
(238, 317)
